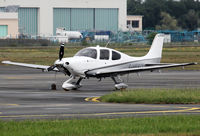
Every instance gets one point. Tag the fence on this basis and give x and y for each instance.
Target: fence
(104, 37)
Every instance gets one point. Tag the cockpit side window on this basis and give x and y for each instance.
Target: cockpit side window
(115, 55)
(104, 54)
(88, 52)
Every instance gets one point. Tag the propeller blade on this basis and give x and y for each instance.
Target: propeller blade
(51, 68)
(61, 52)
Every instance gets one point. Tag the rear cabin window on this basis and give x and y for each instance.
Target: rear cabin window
(104, 54)
(115, 55)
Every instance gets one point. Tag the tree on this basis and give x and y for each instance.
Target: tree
(134, 6)
(150, 37)
(152, 12)
(176, 8)
(185, 11)
(167, 22)
(190, 20)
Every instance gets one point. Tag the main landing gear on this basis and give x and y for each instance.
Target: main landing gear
(119, 85)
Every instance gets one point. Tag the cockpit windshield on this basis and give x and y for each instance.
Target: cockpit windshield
(87, 52)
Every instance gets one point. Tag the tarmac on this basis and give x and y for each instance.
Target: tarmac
(25, 94)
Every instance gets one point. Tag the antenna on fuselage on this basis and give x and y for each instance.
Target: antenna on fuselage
(108, 43)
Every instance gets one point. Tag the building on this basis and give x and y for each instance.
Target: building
(8, 25)
(42, 17)
(134, 22)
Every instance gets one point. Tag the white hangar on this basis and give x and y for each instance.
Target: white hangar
(42, 17)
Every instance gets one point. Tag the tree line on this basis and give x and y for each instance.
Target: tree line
(167, 14)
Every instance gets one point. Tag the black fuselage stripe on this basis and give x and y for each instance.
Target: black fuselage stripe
(121, 64)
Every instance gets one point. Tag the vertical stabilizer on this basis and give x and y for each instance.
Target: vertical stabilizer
(156, 47)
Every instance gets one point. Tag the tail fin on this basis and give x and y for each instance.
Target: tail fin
(156, 47)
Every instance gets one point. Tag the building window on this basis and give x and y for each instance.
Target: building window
(135, 24)
(3, 30)
(128, 23)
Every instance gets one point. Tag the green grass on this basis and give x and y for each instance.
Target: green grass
(47, 55)
(154, 96)
(160, 125)
(35, 55)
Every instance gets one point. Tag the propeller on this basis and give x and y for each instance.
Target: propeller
(59, 65)
(51, 68)
(61, 54)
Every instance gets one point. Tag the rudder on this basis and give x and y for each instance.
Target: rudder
(156, 47)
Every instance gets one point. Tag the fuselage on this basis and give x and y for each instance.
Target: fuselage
(97, 59)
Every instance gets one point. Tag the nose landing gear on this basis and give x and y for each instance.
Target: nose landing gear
(53, 85)
(69, 85)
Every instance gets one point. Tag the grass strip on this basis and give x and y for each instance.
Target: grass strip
(47, 55)
(154, 96)
(160, 125)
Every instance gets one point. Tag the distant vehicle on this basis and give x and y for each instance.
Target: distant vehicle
(69, 34)
(63, 36)
(100, 62)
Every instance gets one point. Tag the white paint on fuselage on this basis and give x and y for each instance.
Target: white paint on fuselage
(78, 65)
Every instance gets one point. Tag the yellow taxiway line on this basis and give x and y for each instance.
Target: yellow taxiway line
(92, 99)
(182, 109)
(103, 114)
(96, 99)
(2, 104)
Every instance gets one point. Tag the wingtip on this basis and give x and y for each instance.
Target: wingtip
(193, 63)
(6, 61)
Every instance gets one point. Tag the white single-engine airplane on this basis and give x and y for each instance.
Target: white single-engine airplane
(101, 62)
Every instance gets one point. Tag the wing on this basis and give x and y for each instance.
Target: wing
(42, 67)
(147, 67)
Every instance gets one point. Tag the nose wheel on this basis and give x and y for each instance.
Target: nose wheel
(53, 85)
